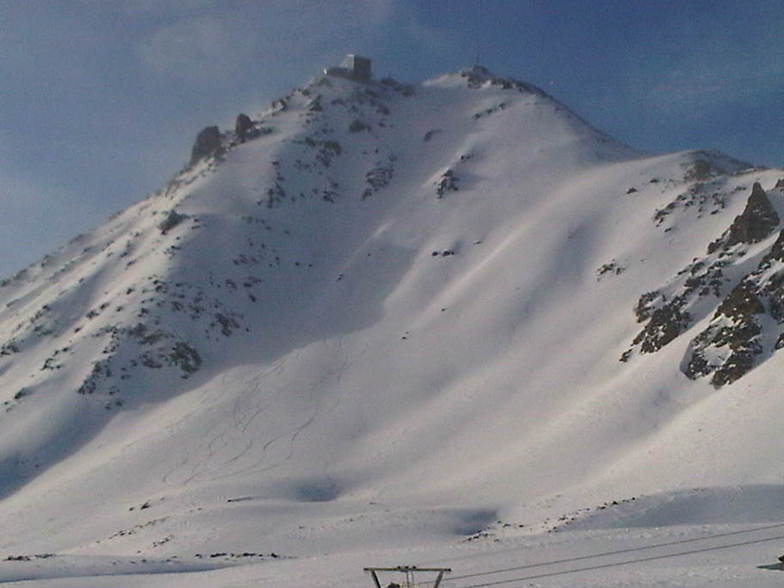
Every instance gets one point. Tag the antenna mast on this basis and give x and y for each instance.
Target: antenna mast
(476, 31)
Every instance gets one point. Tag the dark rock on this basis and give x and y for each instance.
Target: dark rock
(404, 89)
(379, 177)
(701, 170)
(612, 268)
(740, 344)
(775, 293)
(185, 357)
(757, 220)
(208, 142)
(315, 105)
(243, 126)
(697, 366)
(646, 305)
(733, 328)
(8, 348)
(357, 126)
(227, 323)
(773, 289)
(173, 218)
(666, 323)
(733, 342)
(708, 282)
(776, 252)
(447, 183)
(740, 302)
(736, 366)
(779, 342)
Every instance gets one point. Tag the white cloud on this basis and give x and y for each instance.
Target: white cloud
(430, 38)
(209, 44)
(720, 71)
(158, 8)
(718, 82)
(195, 46)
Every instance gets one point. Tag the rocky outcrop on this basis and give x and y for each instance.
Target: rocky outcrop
(666, 312)
(357, 126)
(243, 127)
(728, 346)
(666, 322)
(733, 342)
(172, 219)
(757, 221)
(477, 76)
(208, 143)
(773, 288)
(446, 183)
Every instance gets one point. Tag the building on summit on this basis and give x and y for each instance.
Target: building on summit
(353, 67)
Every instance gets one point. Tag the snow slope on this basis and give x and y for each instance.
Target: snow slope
(398, 324)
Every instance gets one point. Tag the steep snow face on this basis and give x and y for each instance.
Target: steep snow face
(409, 295)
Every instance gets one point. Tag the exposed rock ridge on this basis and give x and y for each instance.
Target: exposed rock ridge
(733, 341)
(165, 325)
(756, 222)
(477, 76)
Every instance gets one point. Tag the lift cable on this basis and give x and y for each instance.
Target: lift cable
(622, 563)
(598, 555)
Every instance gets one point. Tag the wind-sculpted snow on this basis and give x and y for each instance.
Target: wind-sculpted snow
(385, 319)
(699, 506)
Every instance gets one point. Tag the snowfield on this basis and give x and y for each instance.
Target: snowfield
(448, 324)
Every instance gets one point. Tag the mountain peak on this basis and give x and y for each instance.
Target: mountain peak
(361, 270)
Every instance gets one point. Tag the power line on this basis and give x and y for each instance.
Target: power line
(623, 563)
(604, 554)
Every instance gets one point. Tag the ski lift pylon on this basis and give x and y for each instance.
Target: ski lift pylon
(408, 572)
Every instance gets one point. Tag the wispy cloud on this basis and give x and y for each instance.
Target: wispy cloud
(207, 44)
(704, 87)
(199, 47)
(167, 8)
(427, 37)
(723, 69)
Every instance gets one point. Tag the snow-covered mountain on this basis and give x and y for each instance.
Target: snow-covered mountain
(378, 317)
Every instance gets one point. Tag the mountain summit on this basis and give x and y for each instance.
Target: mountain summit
(452, 301)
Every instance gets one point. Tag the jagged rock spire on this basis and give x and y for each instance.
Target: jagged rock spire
(208, 142)
(757, 220)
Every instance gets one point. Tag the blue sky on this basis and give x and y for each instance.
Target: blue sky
(100, 99)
